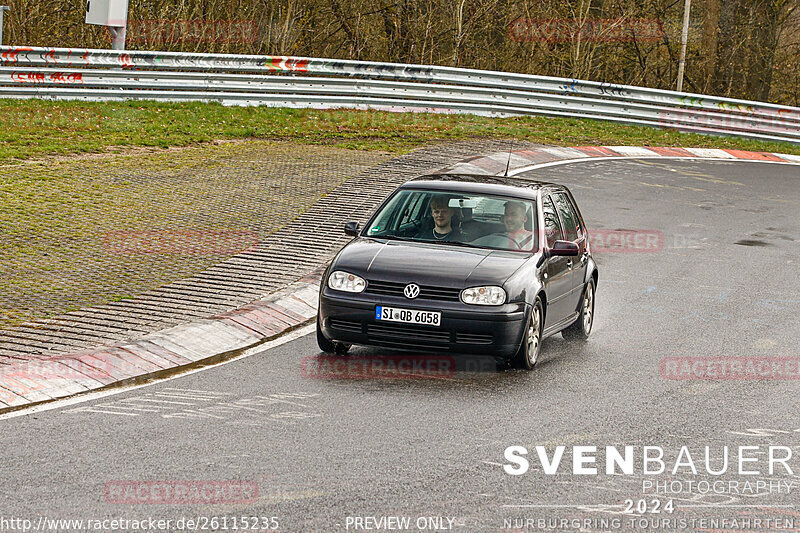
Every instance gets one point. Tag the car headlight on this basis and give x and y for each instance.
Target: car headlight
(484, 296)
(344, 281)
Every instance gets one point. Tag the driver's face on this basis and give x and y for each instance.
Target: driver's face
(514, 219)
(441, 215)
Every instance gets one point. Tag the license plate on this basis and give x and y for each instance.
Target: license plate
(408, 316)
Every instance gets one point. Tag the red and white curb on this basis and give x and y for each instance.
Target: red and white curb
(523, 160)
(35, 380)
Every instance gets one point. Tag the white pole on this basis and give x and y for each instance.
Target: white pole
(3, 9)
(684, 39)
(117, 37)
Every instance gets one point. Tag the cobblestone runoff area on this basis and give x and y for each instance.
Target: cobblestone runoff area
(123, 246)
(87, 231)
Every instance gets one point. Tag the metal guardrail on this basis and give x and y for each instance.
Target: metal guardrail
(60, 73)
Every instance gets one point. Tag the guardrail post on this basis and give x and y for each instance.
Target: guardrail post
(3, 9)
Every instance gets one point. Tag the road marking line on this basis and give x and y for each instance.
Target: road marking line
(123, 406)
(160, 401)
(186, 397)
(93, 410)
(203, 392)
(131, 403)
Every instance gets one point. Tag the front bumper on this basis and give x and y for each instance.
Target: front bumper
(465, 329)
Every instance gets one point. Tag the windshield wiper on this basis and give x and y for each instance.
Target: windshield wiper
(469, 245)
(424, 241)
(394, 238)
(457, 243)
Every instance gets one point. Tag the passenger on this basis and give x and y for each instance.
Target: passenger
(515, 219)
(443, 229)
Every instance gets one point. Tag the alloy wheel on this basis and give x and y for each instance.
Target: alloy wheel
(588, 310)
(533, 336)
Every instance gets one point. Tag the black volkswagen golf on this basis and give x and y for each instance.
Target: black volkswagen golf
(462, 264)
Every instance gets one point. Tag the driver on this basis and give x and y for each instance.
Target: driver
(443, 229)
(515, 219)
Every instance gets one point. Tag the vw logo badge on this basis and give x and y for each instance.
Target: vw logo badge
(411, 290)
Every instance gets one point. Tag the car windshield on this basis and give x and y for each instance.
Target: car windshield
(458, 219)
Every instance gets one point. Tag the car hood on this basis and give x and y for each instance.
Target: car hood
(428, 264)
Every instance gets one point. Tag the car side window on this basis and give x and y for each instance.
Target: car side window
(572, 225)
(552, 226)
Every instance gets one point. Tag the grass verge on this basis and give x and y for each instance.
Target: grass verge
(36, 128)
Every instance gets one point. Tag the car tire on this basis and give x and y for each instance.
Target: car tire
(528, 354)
(328, 346)
(582, 327)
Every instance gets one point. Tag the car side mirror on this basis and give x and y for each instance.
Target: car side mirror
(564, 248)
(351, 228)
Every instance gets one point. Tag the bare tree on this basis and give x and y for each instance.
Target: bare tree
(743, 48)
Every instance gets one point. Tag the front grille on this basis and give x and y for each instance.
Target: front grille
(427, 292)
(408, 333)
(345, 325)
(473, 338)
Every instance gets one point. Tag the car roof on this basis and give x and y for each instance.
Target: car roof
(477, 183)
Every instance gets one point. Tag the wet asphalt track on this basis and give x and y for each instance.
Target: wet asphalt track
(724, 283)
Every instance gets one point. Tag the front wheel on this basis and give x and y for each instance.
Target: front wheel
(328, 346)
(582, 327)
(528, 352)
